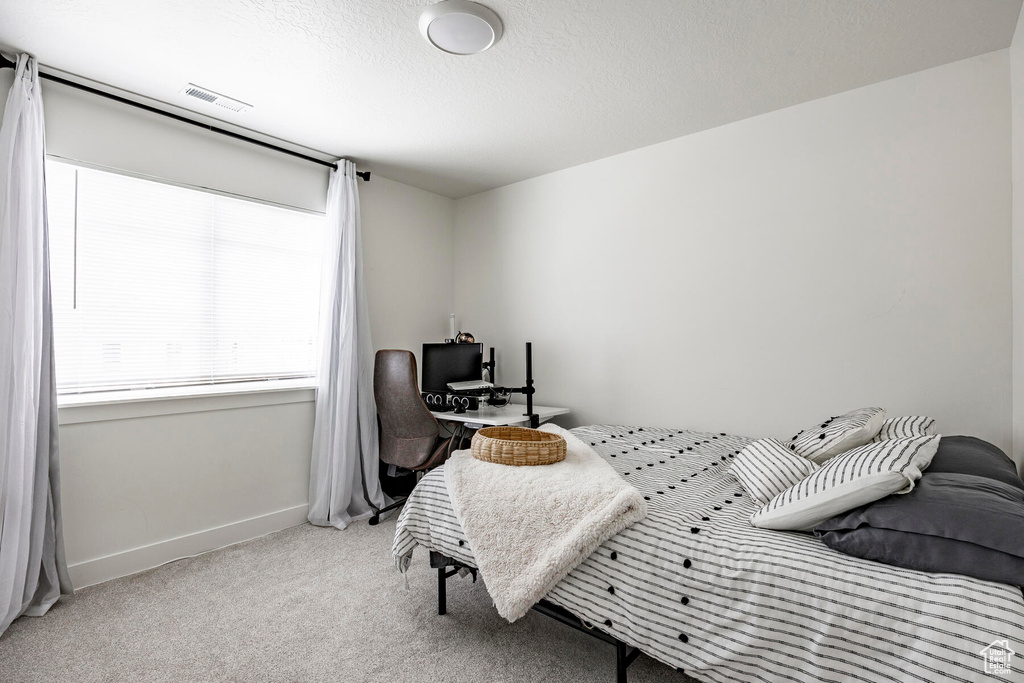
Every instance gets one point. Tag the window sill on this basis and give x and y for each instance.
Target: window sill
(126, 405)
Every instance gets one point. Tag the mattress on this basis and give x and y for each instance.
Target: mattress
(695, 586)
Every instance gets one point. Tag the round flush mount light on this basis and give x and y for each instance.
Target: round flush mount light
(460, 27)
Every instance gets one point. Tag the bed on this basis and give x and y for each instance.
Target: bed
(696, 587)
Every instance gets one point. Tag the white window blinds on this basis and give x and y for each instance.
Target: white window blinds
(156, 285)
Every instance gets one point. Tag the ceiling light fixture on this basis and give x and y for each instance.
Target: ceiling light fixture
(460, 27)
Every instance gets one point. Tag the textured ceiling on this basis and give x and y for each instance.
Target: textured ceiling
(571, 80)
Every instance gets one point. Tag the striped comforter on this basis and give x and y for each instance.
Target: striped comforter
(695, 586)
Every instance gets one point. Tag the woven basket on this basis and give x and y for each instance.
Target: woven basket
(517, 446)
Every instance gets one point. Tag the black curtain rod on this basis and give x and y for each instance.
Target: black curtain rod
(6, 63)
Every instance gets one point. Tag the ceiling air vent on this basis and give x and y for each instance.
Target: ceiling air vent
(205, 95)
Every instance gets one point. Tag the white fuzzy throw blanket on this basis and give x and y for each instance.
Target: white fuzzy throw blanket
(530, 526)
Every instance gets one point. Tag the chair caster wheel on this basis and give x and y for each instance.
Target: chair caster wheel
(375, 520)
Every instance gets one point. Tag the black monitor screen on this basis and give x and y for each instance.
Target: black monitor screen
(444, 363)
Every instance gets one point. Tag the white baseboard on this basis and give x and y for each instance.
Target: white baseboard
(146, 557)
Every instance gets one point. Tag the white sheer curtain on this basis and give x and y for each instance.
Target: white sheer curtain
(33, 572)
(345, 435)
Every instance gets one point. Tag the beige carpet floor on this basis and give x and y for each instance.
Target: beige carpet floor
(305, 604)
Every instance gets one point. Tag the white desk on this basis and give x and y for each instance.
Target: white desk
(490, 416)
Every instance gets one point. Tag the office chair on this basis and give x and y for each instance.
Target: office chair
(410, 436)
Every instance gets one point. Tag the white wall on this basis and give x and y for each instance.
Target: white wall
(850, 251)
(407, 257)
(141, 491)
(1017, 127)
(145, 483)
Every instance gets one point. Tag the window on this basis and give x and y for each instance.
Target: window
(156, 285)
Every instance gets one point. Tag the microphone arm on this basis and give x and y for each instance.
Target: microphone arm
(527, 390)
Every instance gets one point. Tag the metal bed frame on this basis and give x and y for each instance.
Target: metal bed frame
(448, 567)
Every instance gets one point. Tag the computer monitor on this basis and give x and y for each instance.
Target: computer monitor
(444, 363)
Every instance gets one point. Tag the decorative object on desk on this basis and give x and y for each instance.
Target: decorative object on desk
(517, 446)
(465, 338)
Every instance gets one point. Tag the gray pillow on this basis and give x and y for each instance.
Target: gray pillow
(970, 455)
(951, 522)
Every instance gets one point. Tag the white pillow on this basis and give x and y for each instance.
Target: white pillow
(855, 478)
(836, 435)
(902, 427)
(766, 468)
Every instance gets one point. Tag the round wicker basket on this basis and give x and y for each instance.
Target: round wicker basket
(517, 446)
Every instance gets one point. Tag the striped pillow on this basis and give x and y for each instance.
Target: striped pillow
(902, 427)
(850, 480)
(837, 434)
(766, 468)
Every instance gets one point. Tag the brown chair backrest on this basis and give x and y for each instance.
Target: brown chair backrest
(408, 432)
